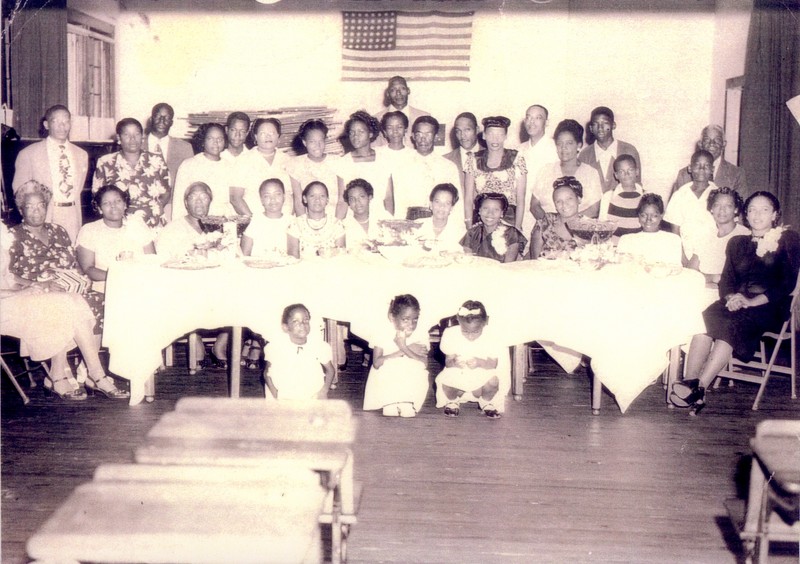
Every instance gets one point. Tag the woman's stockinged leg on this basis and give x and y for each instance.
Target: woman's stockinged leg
(719, 357)
(699, 351)
(90, 348)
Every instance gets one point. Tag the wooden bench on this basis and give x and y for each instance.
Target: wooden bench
(257, 433)
(130, 516)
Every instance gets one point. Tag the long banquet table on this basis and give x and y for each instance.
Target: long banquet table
(623, 318)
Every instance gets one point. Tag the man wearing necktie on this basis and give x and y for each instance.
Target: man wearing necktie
(59, 165)
(158, 140)
(465, 131)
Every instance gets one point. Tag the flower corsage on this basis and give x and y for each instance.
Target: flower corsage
(769, 242)
(498, 240)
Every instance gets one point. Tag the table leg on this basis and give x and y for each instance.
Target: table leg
(519, 368)
(193, 340)
(150, 389)
(597, 394)
(672, 370)
(236, 357)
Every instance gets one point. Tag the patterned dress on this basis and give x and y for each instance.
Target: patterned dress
(31, 258)
(502, 179)
(552, 242)
(314, 239)
(147, 183)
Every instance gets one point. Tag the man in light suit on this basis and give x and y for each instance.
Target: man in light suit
(712, 139)
(465, 129)
(174, 151)
(58, 164)
(605, 149)
(395, 98)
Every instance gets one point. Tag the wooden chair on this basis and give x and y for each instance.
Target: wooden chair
(774, 484)
(764, 365)
(191, 344)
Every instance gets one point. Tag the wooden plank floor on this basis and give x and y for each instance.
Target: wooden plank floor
(546, 483)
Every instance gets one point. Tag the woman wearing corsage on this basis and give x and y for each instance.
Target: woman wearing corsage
(759, 275)
(492, 237)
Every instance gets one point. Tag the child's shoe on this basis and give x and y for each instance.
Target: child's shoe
(452, 409)
(407, 410)
(391, 410)
(491, 412)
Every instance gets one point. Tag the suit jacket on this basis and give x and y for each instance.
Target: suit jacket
(608, 182)
(728, 175)
(33, 164)
(177, 152)
(412, 113)
(455, 157)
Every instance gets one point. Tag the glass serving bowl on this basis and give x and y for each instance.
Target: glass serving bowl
(592, 230)
(212, 223)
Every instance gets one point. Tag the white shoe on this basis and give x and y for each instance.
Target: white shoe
(407, 410)
(391, 410)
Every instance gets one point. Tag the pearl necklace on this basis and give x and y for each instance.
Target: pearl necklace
(320, 222)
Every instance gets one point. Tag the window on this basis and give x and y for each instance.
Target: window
(90, 66)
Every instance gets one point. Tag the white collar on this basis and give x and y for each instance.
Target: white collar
(612, 149)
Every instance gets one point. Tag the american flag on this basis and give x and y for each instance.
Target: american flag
(417, 45)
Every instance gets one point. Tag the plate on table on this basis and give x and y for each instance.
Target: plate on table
(269, 262)
(427, 260)
(185, 264)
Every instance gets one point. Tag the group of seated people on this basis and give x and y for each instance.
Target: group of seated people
(490, 201)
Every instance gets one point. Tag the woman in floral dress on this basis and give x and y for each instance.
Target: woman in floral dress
(496, 169)
(551, 236)
(39, 248)
(144, 176)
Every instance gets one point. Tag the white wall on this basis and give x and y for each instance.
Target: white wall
(654, 70)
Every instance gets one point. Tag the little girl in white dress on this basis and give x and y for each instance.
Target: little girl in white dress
(398, 380)
(476, 367)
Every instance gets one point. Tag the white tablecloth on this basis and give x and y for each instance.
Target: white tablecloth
(623, 318)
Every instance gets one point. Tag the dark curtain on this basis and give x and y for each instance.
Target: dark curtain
(38, 65)
(769, 144)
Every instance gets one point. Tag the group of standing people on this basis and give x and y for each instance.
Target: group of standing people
(501, 203)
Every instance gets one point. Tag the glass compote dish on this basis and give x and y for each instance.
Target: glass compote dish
(592, 230)
(599, 251)
(212, 223)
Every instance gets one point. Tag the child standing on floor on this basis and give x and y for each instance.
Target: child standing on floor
(471, 370)
(300, 367)
(398, 381)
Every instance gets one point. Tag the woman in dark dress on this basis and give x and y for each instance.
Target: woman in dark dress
(755, 295)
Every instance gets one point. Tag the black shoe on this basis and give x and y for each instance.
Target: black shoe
(684, 393)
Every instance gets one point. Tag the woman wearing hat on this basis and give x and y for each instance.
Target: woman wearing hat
(495, 169)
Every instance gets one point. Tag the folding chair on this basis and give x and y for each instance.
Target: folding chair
(771, 513)
(764, 365)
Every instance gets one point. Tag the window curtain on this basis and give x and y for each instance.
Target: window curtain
(38, 65)
(769, 143)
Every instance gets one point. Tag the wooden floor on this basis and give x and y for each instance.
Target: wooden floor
(546, 483)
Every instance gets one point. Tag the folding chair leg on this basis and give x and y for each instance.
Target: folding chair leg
(793, 361)
(10, 374)
(767, 372)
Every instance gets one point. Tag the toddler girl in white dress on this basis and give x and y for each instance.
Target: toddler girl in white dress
(473, 370)
(398, 380)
